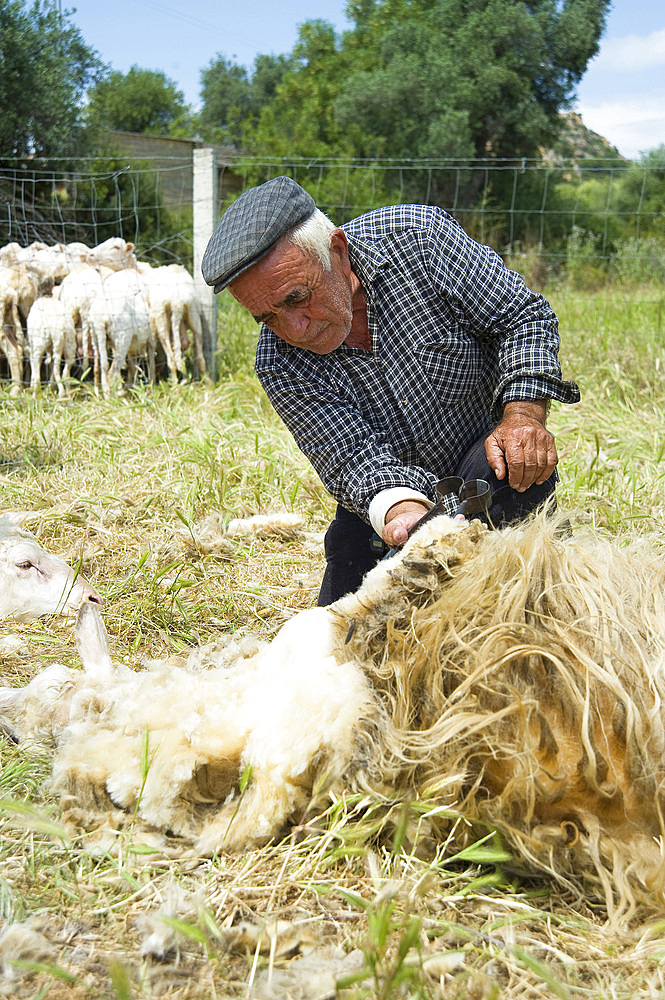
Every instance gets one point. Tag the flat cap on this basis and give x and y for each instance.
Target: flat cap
(251, 226)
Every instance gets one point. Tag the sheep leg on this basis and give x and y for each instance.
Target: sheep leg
(15, 362)
(35, 366)
(69, 354)
(152, 341)
(56, 363)
(178, 323)
(164, 335)
(194, 324)
(101, 359)
(255, 817)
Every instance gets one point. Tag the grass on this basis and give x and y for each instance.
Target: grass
(352, 898)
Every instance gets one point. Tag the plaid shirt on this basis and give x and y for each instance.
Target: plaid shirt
(455, 335)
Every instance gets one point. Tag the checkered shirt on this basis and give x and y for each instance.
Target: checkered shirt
(455, 336)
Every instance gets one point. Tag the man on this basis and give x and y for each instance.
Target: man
(397, 351)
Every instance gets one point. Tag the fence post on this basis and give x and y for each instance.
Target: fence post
(204, 169)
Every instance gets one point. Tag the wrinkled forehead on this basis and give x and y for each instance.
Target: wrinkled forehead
(272, 279)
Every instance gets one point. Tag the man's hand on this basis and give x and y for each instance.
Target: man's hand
(522, 446)
(400, 518)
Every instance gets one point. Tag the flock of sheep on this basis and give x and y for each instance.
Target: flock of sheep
(75, 304)
(514, 678)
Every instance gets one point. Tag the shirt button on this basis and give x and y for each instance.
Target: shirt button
(403, 402)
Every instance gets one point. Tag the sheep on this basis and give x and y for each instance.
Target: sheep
(20, 285)
(174, 308)
(50, 326)
(77, 291)
(13, 253)
(49, 263)
(514, 678)
(120, 318)
(114, 253)
(34, 582)
(11, 331)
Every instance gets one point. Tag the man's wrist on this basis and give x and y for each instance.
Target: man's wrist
(532, 409)
(386, 499)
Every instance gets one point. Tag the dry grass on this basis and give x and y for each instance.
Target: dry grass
(124, 487)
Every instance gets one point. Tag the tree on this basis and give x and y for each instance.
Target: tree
(483, 78)
(45, 69)
(232, 99)
(142, 100)
(433, 78)
(226, 95)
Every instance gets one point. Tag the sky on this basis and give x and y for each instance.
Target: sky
(621, 96)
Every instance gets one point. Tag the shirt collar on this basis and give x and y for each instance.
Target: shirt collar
(366, 259)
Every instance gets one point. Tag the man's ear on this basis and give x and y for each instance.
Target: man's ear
(340, 245)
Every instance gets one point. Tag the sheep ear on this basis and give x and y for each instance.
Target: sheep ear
(92, 642)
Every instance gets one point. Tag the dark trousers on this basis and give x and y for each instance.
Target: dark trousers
(350, 551)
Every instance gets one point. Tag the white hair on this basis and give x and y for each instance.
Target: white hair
(313, 236)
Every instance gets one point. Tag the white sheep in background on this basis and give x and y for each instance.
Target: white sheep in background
(12, 341)
(50, 263)
(120, 321)
(13, 253)
(78, 290)
(514, 677)
(51, 331)
(114, 253)
(175, 308)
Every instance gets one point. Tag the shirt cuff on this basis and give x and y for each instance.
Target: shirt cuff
(386, 499)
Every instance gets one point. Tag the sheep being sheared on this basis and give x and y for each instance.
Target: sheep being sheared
(514, 676)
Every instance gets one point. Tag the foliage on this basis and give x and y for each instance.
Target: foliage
(45, 69)
(300, 119)
(141, 100)
(232, 100)
(584, 267)
(433, 78)
(638, 261)
(415, 82)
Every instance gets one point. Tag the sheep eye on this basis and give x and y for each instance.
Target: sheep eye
(24, 565)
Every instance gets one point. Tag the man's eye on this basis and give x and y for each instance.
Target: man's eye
(299, 298)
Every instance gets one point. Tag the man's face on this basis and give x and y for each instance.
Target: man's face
(301, 302)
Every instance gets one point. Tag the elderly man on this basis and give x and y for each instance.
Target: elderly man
(397, 351)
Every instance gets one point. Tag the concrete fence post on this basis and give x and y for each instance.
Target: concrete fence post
(205, 202)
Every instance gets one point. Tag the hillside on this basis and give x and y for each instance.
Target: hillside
(577, 142)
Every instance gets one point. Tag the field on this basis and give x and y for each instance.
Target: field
(135, 491)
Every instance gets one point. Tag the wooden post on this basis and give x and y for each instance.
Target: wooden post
(204, 169)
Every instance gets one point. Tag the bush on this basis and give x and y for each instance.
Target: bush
(639, 261)
(585, 267)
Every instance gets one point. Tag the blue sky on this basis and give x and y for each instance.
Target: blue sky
(621, 96)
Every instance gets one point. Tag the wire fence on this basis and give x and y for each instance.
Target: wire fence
(514, 205)
(148, 203)
(509, 203)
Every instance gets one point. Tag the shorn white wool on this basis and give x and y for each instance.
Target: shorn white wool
(501, 675)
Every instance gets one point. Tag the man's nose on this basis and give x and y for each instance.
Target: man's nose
(296, 321)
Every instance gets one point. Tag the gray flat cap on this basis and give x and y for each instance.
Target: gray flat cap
(251, 226)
